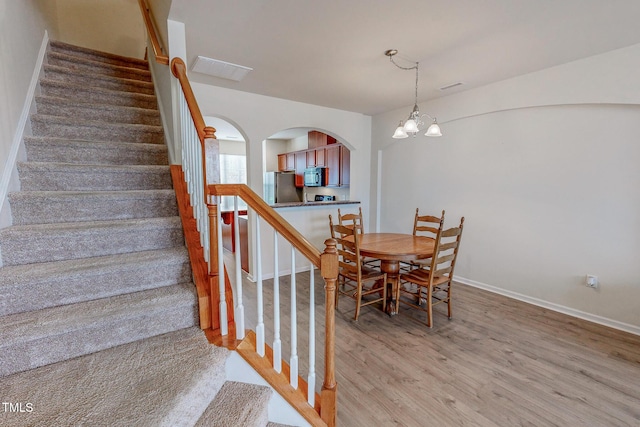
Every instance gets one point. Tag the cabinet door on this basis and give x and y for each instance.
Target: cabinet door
(282, 162)
(311, 158)
(301, 164)
(333, 163)
(291, 161)
(345, 166)
(321, 157)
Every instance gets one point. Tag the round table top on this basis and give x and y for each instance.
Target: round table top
(395, 246)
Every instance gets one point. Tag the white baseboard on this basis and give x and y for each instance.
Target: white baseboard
(551, 306)
(10, 165)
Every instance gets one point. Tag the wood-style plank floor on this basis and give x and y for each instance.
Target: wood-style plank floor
(498, 362)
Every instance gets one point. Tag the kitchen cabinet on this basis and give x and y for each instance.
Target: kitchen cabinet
(282, 162)
(300, 165)
(311, 158)
(321, 156)
(319, 139)
(335, 157)
(338, 160)
(286, 162)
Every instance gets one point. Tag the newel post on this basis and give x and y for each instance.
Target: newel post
(329, 271)
(211, 174)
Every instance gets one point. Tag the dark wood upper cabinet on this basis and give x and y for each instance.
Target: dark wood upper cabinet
(319, 139)
(324, 151)
(300, 166)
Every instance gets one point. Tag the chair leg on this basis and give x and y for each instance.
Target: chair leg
(358, 301)
(429, 307)
(449, 300)
(384, 295)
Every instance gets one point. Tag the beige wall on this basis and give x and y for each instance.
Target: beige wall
(113, 26)
(22, 30)
(544, 167)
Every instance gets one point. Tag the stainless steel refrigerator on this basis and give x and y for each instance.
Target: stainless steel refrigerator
(280, 187)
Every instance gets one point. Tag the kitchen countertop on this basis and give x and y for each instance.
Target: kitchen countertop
(297, 204)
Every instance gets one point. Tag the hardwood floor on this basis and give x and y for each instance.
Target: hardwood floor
(498, 362)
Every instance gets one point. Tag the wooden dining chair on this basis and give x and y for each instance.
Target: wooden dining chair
(434, 284)
(428, 226)
(356, 220)
(352, 219)
(353, 275)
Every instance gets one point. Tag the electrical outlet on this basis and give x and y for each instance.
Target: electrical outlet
(592, 281)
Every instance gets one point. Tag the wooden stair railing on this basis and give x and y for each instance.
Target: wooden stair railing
(158, 52)
(324, 409)
(201, 158)
(215, 295)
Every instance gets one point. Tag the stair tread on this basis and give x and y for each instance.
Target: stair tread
(59, 69)
(82, 88)
(101, 144)
(48, 284)
(237, 405)
(55, 166)
(16, 274)
(66, 47)
(134, 194)
(99, 107)
(53, 321)
(88, 225)
(80, 62)
(165, 380)
(75, 121)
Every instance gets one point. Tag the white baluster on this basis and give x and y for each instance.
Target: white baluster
(239, 312)
(260, 325)
(293, 361)
(311, 379)
(277, 343)
(224, 327)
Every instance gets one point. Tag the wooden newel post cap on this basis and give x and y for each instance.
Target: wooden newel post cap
(330, 246)
(329, 260)
(210, 132)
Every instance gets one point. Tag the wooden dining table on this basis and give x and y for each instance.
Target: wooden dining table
(390, 249)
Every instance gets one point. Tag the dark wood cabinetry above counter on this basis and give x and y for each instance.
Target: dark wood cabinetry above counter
(323, 151)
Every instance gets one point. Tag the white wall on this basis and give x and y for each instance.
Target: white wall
(258, 117)
(544, 167)
(22, 31)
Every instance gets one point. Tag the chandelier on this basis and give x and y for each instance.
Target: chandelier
(414, 121)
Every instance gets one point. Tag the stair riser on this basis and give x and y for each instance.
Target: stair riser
(99, 81)
(97, 132)
(84, 94)
(80, 152)
(96, 67)
(91, 338)
(65, 108)
(92, 284)
(77, 209)
(55, 244)
(69, 180)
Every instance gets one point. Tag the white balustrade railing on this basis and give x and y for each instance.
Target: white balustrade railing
(275, 322)
(193, 169)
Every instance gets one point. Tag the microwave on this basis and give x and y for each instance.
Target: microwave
(315, 177)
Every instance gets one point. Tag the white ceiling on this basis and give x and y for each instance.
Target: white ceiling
(331, 52)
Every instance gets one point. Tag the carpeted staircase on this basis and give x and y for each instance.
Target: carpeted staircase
(98, 314)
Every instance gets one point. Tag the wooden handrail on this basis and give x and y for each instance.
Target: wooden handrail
(179, 70)
(161, 57)
(274, 219)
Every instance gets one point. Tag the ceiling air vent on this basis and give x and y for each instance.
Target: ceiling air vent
(217, 68)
